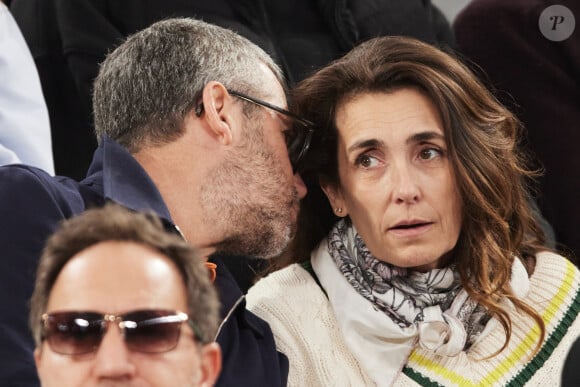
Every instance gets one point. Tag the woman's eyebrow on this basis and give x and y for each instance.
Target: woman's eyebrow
(425, 136)
(370, 143)
(417, 137)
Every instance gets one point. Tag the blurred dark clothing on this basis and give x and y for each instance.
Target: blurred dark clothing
(73, 142)
(69, 38)
(538, 79)
(571, 372)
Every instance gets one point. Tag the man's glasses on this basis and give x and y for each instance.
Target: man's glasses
(146, 331)
(297, 138)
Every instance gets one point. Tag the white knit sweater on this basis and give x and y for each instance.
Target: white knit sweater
(306, 331)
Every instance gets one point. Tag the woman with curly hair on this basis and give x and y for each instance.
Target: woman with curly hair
(419, 258)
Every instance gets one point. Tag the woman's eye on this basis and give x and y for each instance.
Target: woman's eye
(429, 153)
(366, 161)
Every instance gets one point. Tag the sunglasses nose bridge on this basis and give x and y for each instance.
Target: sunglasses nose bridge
(115, 320)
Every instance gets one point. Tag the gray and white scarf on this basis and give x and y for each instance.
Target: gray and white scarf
(384, 310)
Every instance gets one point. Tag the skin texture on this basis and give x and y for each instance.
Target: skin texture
(254, 189)
(141, 279)
(393, 171)
(233, 166)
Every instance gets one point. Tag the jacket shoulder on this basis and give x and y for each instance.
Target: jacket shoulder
(20, 183)
(32, 203)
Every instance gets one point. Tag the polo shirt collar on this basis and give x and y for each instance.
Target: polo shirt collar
(126, 182)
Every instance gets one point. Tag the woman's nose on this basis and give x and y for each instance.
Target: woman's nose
(406, 188)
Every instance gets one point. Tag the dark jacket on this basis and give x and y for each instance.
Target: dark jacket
(571, 372)
(539, 79)
(32, 204)
(69, 38)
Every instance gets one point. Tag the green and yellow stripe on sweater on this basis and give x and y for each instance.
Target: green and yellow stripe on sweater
(510, 368)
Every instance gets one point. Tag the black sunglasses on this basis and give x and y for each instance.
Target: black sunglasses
(146, 331)
(297, 139)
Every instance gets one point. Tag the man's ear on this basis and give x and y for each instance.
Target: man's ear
(38, 358)
(211, 364)
(218, 111)
(334, 195)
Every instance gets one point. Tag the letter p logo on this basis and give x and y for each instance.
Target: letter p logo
(557, 23)
(557, 20)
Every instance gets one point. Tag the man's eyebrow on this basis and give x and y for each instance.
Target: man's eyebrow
(425, 136)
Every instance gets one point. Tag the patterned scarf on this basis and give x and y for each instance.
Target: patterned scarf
(403, 295)
(384, 312)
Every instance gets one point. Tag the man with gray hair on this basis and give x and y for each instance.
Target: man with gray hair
(192, 125)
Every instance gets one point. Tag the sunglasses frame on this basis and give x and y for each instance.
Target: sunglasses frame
(101, 324)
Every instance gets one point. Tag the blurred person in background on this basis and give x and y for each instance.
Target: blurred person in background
(529, 52)
(24, 124)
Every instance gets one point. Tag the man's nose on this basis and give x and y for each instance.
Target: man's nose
(300, 186)
(113, 358)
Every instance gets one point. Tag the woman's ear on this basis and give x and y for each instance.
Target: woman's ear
(334, 195)
(218, 111)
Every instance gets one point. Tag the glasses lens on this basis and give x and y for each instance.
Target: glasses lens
(73, 333)
(152, 331)
(298, 141)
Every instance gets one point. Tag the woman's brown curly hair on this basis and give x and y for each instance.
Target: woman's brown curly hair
(499, 223)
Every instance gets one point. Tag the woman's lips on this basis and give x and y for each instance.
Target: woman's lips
(410, 229)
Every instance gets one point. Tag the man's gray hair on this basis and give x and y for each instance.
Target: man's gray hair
(148, 84)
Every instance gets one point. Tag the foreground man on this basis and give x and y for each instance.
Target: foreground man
(118, 300)
(190, 126)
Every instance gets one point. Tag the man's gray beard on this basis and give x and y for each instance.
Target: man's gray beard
(270, 244)
(244, 200)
